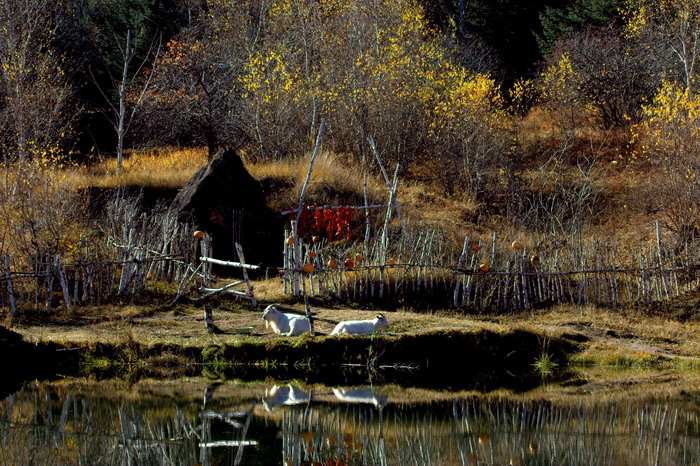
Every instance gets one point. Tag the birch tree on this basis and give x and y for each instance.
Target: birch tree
(129, 88)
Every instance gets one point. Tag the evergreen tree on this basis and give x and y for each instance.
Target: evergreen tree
(509, 27)
(581, 14)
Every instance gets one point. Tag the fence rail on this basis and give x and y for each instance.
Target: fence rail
(501, 276)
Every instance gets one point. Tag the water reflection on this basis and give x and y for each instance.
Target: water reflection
(289, 395)
(291, 424)
(362, 396)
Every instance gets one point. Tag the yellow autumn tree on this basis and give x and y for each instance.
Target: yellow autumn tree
(370, 70)
(668, 138)
(469, 131)
(270, 87)
(560, 92)
(670, 29)
(360, 66)
(381, 63)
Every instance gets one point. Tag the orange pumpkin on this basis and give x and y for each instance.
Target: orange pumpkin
(349, 263)
(358, 257)
(535, 258)
(308, 267)
(516, 245)
(199, 234)
(484, 267)
(290, 241)
(332, 263)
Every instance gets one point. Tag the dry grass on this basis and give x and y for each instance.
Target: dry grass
(628, 349)
(184, 324)
(427, 208)
(333, 182)
(164, 167)
(616, 334)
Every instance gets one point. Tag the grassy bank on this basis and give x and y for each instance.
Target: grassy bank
(468, 360)
(161, 340)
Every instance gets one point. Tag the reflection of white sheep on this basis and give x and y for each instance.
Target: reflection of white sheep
(361, 395)
(289, 395)
(361, 327)
(285, 324)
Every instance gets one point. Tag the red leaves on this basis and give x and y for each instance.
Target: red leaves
(329, 222)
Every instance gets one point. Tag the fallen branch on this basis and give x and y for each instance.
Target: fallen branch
(229, 263)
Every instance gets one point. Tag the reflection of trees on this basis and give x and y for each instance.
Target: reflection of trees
(45, 426)
(39, 427)
(576, 434)
(491, 432)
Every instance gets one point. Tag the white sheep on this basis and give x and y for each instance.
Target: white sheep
(361, 327)
(361, 395)
(290, 325)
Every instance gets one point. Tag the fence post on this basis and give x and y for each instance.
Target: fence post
(296, 261)
(78, 265)
(60, 271)
(461, 264)
(49, 282)
(664, 280)
(10, 289)
(286, 280)
(205, 246)
(241, 258)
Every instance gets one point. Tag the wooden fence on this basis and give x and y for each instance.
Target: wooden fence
(131, 253)
(498, 276)
(90, 279)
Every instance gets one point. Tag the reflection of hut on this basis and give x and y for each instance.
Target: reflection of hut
(229, 204)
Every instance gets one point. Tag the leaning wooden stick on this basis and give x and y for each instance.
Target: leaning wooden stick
(389, 185)
(308, 177)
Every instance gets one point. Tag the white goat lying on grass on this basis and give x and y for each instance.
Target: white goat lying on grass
(361, 327)
(290, 325)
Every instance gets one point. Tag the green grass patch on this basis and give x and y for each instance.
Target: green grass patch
(90, 364)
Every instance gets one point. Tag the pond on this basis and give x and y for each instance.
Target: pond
(195, 421)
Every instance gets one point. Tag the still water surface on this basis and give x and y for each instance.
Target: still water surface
(195, 422)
